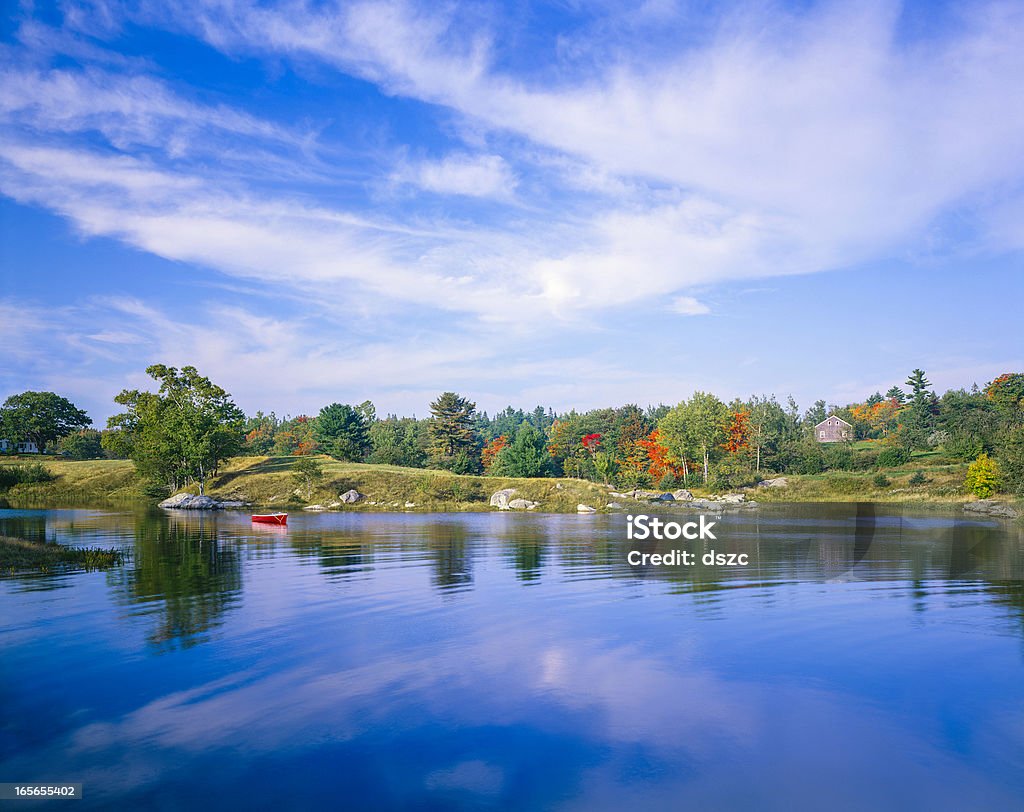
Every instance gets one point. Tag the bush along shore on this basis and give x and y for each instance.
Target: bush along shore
(19, 555)
(317, 483)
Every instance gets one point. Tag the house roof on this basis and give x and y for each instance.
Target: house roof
(837, 417)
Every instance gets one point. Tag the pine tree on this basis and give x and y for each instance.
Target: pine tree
(454, 443)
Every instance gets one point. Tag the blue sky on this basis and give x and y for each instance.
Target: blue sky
(566, 203)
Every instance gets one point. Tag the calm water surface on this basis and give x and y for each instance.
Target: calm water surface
(400, 661)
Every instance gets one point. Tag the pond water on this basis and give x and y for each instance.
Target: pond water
(866, 657)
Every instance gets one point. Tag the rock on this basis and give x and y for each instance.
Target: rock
(778, 482)
(662, 497)
(499, 499)
(188, 501)
(732, 498)
(558, 485)
(410, 504)
(614, 505)
(706, 504)
(990, 507)
(585, 509)
(682, 495)
(522, 504)
(316, 508)
(350, 496)
(621, 495)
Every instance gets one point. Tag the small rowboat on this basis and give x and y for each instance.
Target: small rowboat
(271, 518)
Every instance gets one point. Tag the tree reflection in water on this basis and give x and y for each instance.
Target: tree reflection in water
(182, 569)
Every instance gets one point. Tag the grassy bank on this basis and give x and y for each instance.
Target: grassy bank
(267, 482)
(85, 482)
(21, 555)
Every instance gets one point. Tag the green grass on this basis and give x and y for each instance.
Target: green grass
(21, 555)
(267, 482)
(945, 484)
(85, 482)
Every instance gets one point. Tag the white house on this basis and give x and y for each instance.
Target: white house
(7, 447)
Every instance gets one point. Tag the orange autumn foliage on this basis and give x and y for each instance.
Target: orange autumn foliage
(737, 432)
(491, 451)
(660, 461)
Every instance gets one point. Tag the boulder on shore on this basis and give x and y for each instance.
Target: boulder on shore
(990, 507)
(500, 499)
(350, 496)
(585, 509)
(778, 482)
(661, 497)
(522, 504)
(190, 501)
(682, 495)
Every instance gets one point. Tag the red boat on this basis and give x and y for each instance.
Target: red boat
(271, 518)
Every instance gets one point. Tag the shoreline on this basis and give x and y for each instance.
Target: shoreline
(266, 483)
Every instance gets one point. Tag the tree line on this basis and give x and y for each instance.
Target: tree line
(186, 430)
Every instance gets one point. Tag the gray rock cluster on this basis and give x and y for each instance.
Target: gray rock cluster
(189, 501)
(502, 500)
(989, 507)
(778, 482)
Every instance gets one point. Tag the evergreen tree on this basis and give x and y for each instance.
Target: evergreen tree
(525, 456)
(453, 441)
(342, 432)
(897, 394)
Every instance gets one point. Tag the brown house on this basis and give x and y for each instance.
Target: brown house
(833, 430)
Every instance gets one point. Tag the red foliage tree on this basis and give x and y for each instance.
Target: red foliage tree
(491, 451)
(737, 432)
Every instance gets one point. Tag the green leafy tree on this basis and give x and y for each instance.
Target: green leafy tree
(259, 433)
(606, 465)
(983, 477)
(398, 441)
(308, 473)
(40, 417)
(1010, 456)
(815, 414)
(454, 442)
(342, 432)
(85, 444)
(695, 426)
(183, 432)
(525, 456)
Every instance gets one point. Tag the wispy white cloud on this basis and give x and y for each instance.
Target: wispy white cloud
(689, 306)
(471, 175)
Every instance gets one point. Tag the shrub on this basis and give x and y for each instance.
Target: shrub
(730, 473)
(881, 481)
(669, 482)
(964, 446)
(837, 457)
(11, 475)
(918, 478)
(1010, 458)
(893, 457)
(307, 473)
(983, 477)
(865, 460)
